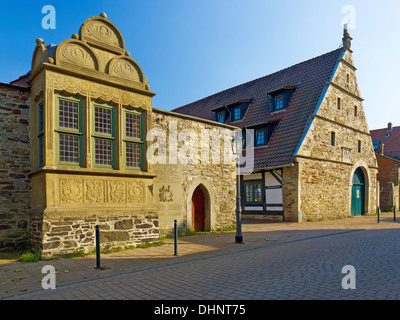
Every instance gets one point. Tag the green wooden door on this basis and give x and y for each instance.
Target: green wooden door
(358, 194)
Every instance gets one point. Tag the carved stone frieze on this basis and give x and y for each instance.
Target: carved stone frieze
(95, 192)
(73, 86)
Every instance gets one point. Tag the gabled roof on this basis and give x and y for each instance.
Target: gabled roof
(309, 79)
(390, 140)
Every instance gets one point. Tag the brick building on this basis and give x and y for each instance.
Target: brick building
(386, 143)
(313, 154)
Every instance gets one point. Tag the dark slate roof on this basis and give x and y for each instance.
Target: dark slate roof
(22, 81)
(391, 140)
(309, 78)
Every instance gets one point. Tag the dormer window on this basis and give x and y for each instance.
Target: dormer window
(221, 116)
(236, 113)
(260, 137)
(280, 98)
(279, 102)
(233, 111)
(261, 134)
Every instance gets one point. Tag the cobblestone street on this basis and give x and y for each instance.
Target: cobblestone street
(277, 262)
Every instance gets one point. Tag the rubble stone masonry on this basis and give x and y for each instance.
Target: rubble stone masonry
(328, 162)
(14, 167)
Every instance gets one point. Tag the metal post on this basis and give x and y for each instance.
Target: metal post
(378, 209)
(97, 248)
(175, 238)
(394, 213)
(238, 236)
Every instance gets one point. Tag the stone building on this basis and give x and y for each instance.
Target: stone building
(306, 126)
(78, 150)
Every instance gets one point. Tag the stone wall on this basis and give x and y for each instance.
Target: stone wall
(14, 167)
(65, 213)
(175, 182)
(325, 169)
(63, 235)
(291, 193)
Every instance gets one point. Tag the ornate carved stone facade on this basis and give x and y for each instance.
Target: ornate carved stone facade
(79, 171)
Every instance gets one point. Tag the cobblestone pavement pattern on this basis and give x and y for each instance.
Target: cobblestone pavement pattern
(278, 261)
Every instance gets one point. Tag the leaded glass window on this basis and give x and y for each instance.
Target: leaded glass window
(133, 125)
(103, 152)
(68, 114)
(69, 148)
(103, 136)
(69, 130)
(133, 140)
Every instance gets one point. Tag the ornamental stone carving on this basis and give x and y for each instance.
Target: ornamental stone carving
(117, 191)
(71, 191)
(94, 191)
(166, 194)
(78, 55)
(125, 69)
(100, 31)
(135, 192)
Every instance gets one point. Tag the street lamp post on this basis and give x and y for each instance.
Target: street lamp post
(237, 150)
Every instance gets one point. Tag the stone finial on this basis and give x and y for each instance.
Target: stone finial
(75, 36)
(103, 15)
(346, 37)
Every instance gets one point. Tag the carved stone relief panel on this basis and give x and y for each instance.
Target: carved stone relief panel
(71, 191)
(97, 192)
(78, 55)
(102, 32)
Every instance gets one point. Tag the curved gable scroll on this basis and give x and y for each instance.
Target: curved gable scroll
(127, 68)
(102, 33)
(77, 53)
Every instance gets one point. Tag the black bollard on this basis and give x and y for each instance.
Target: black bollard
(378, 210)
(175, 238)
(97, 248)
(394, 213)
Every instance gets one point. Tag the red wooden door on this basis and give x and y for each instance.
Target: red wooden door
(198, 216)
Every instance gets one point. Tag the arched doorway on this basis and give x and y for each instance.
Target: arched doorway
(198, 210)
(358, 193)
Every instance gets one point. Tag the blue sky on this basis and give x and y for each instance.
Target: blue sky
(190, 49)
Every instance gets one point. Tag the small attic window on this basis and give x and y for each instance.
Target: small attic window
(339, 103)
(236, 111)
(279, 102)
(221, 116)
(280, 98)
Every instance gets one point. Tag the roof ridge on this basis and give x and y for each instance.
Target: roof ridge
(258, 79)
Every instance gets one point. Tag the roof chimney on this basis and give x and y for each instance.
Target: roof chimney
(346, 38)
(390, 127)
